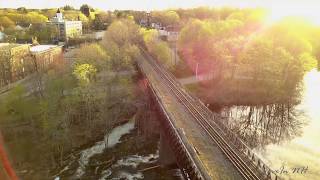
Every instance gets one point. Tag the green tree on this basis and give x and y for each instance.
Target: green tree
(75, 15)
(68, 8)
(157, 47)
(22, 9)
(85, 9)
(120, 42)
(85, 73)
(17, 105)
(35, 18)
(166, 18)
(101, 20)
(93, 54)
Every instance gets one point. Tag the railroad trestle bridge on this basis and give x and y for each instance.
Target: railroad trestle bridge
(203, 146)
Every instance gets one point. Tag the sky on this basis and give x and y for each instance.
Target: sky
(163, 4)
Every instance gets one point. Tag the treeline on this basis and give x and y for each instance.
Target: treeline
(24, 17)
(251, 59)
(244, 53)
(21, 25)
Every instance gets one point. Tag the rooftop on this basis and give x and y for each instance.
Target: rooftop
(6, 46)
(40, 48)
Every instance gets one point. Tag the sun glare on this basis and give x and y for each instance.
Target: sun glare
(311, 14)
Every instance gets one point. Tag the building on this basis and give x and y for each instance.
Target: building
(19, 60)
(13, 62)
(169, 33)
(45, 55)
(66, 29)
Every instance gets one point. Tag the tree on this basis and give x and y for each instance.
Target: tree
(68, 8)
(166, 18)
(45, 34)
(207, 43)
(85, 73)
(122, 31)
(17, 105)
(35, 18)
(93, 54)
(75, 15)
(6, 22)
(22, 9)
(101, 20)
(171, 18)
(275, 68)
(309, 62)
(157, 47)
(120, 42)
(85, 9)
(49, 12)
(204, 13)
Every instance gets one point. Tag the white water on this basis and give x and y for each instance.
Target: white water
(132, 161)
(135, 160)
(99, 147)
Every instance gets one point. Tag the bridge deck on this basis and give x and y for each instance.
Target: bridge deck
(213, 160)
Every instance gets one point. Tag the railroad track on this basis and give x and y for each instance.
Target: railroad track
(216, 132)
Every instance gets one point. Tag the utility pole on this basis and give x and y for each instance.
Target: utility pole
(175, 53)
(197, 66)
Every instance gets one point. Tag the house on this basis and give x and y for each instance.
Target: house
(169, 33)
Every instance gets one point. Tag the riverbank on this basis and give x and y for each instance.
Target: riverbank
(128, 155)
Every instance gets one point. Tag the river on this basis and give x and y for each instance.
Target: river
(285, 136)
(129, 162)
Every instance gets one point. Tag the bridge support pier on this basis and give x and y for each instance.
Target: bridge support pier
(166, 155)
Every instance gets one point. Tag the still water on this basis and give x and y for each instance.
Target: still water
(286, 136)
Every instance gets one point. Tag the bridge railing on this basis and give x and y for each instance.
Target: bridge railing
(236, 141)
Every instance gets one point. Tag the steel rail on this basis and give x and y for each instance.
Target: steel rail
(196, 174)
(185, 98)
(245, 171)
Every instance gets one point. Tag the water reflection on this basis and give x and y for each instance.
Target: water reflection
(266, 124)
(285, 135)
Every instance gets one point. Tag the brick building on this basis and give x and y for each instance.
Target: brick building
(13, 62)
(20, 60)
(44, 55)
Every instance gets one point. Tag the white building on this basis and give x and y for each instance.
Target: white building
(66, 29)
